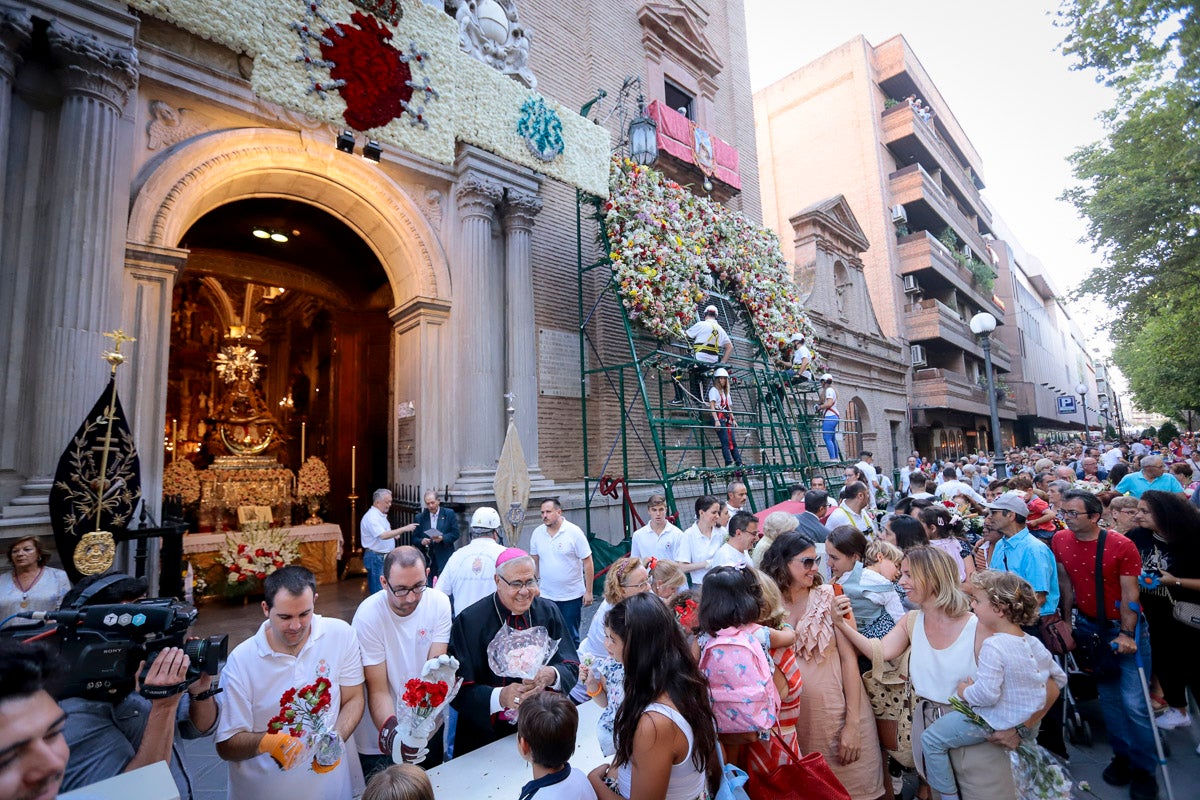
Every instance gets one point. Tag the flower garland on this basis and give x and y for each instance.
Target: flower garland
(313, 479)
(477, 104)
(666, 244)
(180, 478)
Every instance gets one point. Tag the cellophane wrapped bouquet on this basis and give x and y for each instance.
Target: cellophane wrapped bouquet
(520, 654)
(423, 705)
(1036, 774)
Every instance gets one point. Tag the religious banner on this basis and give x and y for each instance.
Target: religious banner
(396, 72)
(97, 487)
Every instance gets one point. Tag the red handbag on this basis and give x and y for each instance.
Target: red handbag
(805, 778)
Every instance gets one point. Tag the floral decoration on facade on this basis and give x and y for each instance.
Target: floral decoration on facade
(307, 713)
(374, 78)
(313, 479)
(308, 30)
(667, 245)
(180, 478)
(253, 553)
(541, 128)
(476, 103)
(389, 11)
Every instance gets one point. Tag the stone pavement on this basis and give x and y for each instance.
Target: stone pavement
(210, 775)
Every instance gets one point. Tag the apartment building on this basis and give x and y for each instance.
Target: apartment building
(868, 122)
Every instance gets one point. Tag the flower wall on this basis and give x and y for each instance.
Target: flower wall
(666, 244)
(447, 95)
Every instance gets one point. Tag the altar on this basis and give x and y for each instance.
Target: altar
(320, 550)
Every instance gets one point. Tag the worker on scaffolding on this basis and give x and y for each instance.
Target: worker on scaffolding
(710, 345)
(720, 403)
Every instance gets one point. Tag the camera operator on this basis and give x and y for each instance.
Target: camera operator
(33, 752)
(109, 737)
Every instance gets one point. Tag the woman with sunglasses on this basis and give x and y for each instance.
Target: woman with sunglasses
(835, 716)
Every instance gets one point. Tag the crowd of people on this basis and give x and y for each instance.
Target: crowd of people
(931, 638)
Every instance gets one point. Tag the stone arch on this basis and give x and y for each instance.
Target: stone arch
(212, 170)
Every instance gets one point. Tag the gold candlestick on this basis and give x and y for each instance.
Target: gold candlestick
(303, 434)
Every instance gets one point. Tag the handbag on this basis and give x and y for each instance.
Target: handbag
(1055, 633)
(732, 780)
(1093, 650)
(1185, 612)
(807, 778)
(890, 692)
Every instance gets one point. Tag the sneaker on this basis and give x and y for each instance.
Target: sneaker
(676, 402)
(1173, 718)
(1117, 772)
(1143, 785)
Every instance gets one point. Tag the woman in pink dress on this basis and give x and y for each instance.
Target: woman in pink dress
(834, 716)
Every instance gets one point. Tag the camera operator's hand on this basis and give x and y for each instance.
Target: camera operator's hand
(283, 747)
(169, 669)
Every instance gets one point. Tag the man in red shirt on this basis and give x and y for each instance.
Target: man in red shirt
(1120, 622)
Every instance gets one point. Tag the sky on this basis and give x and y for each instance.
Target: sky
(999, 69)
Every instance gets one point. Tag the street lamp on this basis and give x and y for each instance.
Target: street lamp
(982, 325)
(1081, 390)
(1104, 414)
(643, 136)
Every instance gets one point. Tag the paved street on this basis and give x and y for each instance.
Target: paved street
(209, 774)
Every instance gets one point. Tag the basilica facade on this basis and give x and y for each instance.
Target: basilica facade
(149, 182)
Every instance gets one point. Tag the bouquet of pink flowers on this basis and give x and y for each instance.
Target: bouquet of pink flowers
(520, 654)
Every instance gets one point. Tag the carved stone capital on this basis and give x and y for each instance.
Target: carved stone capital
(90, 67)
(519, 210)
(16, 27)
(478, 196)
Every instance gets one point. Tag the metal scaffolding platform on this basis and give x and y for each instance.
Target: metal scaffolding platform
(675, 447)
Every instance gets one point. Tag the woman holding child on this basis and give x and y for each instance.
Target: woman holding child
(946, 639)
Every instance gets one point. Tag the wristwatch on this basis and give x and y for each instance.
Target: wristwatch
(1130, 634)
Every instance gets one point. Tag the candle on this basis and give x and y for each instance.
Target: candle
(303, 432)
(174, 439)
(353, 455)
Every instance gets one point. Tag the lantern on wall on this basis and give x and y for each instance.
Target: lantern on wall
(643, 136)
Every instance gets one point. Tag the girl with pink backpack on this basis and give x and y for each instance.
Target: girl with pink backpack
(735, 657)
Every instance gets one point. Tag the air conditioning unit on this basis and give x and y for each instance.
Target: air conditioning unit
(917, 352)
(910, 285)
(899, 214)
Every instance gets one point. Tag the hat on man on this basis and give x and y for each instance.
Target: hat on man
(1009, 501)
(509, 555)
(710, 310)
(485, 518)
(826, 378)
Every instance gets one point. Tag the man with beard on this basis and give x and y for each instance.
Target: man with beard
(487, 703)
(33, 750)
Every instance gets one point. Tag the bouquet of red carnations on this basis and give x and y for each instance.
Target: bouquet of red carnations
(303, 713)
(419, 712)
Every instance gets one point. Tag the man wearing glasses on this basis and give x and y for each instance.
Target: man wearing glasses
(399, 629)
(487, 703)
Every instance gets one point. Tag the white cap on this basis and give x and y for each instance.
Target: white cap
(721, 373)
(827, 377)
(797, 337)
(486, 518)
(710, 310)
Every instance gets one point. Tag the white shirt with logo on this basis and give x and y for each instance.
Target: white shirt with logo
(467, 576)
(560, 560)
(401, 643)
(254, 679)
(667, 545)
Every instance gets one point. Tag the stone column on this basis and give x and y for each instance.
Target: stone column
(520, 348)
(81, 274)
(479, 297)
(15, 29)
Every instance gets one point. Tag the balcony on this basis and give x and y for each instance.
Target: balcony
(912, 139)
(921, 254)
(926, 203)
(943, 388)
(931, 319)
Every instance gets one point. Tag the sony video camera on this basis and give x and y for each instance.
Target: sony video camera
(102, 646)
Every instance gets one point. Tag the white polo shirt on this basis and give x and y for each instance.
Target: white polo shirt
(560, 560)
(402, 643)
(374, 524)
(729, 556)
(701, 548)
(667, 545)
(467, 576)
(254, 679)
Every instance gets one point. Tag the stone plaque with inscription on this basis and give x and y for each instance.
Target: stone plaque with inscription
(406, 443)
(558, 363)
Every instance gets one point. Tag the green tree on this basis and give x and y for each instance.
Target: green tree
(1138, 186)
(1150, 433)
(1167, 431)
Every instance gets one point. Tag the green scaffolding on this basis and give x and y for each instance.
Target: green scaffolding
(676, 447)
